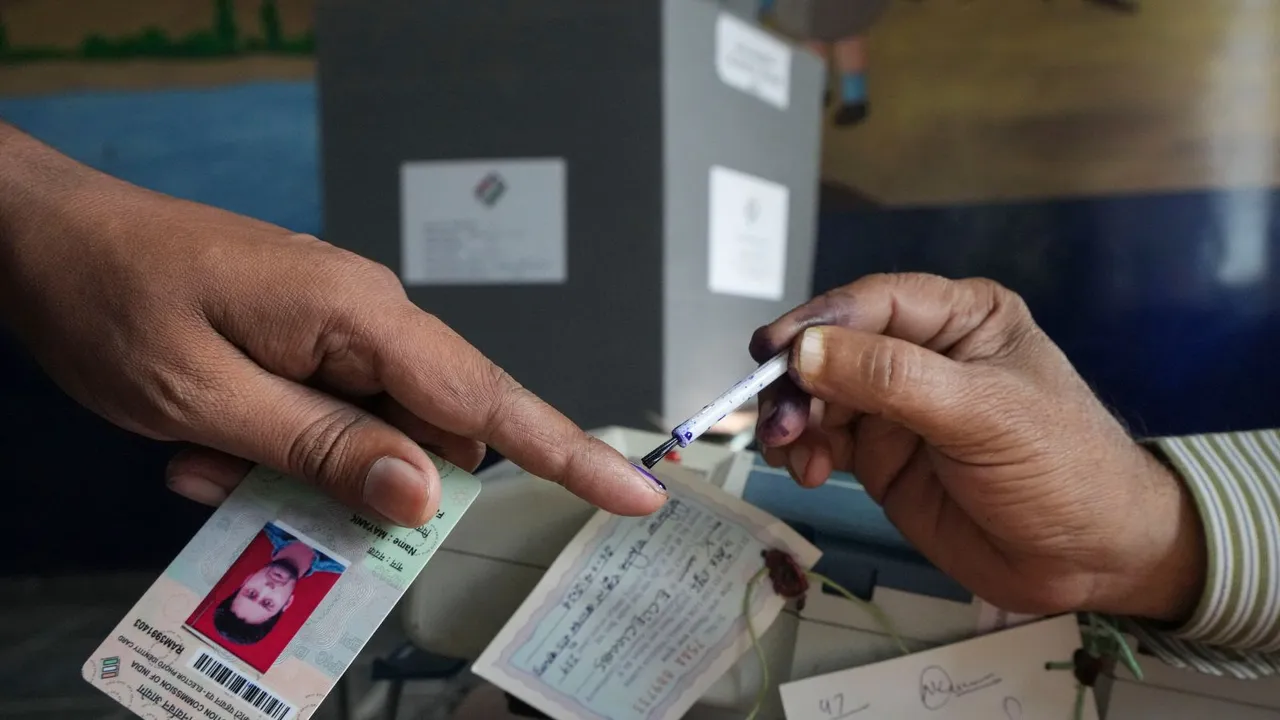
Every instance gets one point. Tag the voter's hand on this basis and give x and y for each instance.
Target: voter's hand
(983, 445)
(183, 322)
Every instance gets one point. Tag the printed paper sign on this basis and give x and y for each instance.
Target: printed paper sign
(268, 604)
(748, 235)
(1001, 675)
(753, 61)
(639, 616)
(477, 222)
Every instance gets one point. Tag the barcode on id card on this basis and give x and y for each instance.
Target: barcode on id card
(263, 700)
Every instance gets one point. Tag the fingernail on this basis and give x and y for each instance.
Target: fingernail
(811, 352)
(396, 490)
(799, 458)
(656, 482)
(198, 489)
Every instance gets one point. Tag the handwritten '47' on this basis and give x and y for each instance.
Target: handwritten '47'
(833, 707)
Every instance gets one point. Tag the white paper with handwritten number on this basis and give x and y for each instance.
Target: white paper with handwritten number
(639, 616)
(1001, 676)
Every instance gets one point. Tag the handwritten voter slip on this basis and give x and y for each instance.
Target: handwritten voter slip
(1001, 675)
(637, 617)
(268, 605)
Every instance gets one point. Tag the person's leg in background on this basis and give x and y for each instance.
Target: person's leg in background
(850, 60)
(823, 51)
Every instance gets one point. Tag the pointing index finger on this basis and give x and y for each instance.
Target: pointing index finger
(444, 380)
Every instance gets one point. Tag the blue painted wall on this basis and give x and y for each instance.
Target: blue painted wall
(249, 148)
(1131, 287)
(1143, 293)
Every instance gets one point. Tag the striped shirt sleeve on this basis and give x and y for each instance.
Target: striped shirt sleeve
(1235, 630)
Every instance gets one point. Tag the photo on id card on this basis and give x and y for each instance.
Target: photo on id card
(267, 594)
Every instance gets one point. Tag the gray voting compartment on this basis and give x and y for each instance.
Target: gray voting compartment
(604, 197)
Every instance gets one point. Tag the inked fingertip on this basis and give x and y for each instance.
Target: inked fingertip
(783, 429)
(653, 480)
(762, 346)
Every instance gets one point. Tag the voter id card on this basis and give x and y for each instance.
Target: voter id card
(267, 606)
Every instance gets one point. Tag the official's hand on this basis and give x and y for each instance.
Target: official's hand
(984, 446)
(182, 322)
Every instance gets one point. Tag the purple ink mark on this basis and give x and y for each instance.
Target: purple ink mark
(651, 477)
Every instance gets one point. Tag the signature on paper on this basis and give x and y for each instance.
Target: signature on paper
(1013, 708)
(834, 707)
(937, 687)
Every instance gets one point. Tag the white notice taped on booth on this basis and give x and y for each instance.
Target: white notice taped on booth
(640, 615)
(483, 222)
(753, 61)
(748, 235)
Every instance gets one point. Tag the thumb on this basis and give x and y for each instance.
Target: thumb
(349, 453)
(905, 383)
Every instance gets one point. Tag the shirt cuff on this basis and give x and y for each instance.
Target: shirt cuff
(1201, 658)
(1235, 480)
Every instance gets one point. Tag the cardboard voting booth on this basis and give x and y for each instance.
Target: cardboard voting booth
(606, 198)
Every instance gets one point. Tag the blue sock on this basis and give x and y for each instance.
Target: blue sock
(853, 88)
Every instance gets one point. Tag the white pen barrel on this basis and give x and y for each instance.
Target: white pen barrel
(747, 388)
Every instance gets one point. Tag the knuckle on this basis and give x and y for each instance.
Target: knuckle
(985, 285)
(1006, 301)
(1020, 329)
(833, 307)
(354, 299)
(873, 279)
(898, 283)
(839, 305)
(377, 275)
(1001, 322)
(847, 295)
(341, 276)
(324, 448)
(918, 280)
(361, 276)
(998, 300)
